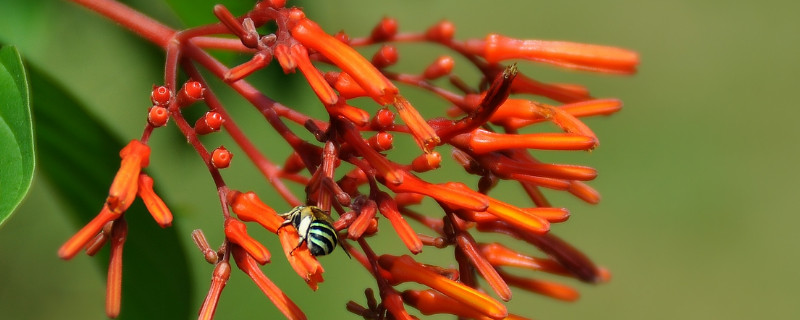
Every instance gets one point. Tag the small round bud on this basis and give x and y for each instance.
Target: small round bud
(383, 119)
(160, 95)
(426, 162)
(441, 67)
(386, 56)
(221, 158)
(440, 32)
(342, 36)
(381, 141)
(158, 116)
(385, 30)
(208, 123)
(193, 90)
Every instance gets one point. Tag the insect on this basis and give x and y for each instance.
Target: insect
(314, 226)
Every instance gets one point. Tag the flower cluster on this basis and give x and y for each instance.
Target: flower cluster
(345, 168)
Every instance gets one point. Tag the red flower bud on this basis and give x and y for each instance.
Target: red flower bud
(381, 141)
(383, 119)
(385, 30)
(191, 92)
(208, 123)
(439, 68)
(221, 158)
(443, 31)
(386, 56)
(160, 96)
(426, 162)
(158, 116)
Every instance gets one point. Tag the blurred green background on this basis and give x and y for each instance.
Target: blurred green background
(698, 172)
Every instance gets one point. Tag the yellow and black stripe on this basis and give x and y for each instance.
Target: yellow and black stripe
(314, 227)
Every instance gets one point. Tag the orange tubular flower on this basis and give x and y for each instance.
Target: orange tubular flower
(468, 246)
(405, 269)
(246, 263)
(249, 207)
(548, 288)
(347, 164)
(423, 134)
(114, 285)
(518, 217)
(482, 141)
(434, 302)
(366, 213)
(321, 87)
(496, 48)
(454, 194)
(500, 256)
(388, 208)
(301, 259)
(222, 272)
(236, 232)
(78, 241)
(158, 209)
(345, 57)
(345, 85)
(259, 61)
(135, 156)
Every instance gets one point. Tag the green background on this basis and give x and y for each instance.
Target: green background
(698, 172)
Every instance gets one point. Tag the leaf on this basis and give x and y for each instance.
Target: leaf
(16, 133)
(80, 157)
(199, 12)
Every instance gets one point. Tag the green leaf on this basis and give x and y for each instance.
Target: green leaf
(16, 133)
(80, 158)
(199, 12)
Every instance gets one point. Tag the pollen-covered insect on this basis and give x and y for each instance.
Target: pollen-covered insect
(314, 227)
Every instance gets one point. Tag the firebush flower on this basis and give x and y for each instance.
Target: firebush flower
(348, 167)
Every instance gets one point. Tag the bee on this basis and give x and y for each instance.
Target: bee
(315, 228)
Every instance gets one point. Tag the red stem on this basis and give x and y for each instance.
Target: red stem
(267, 168)
(135, 21)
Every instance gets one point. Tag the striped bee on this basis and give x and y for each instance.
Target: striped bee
(314, 227)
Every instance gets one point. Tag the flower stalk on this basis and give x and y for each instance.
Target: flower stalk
(349, 170)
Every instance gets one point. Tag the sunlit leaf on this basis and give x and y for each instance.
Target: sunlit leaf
(16, 133)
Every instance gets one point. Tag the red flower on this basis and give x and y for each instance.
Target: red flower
(346, 169)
